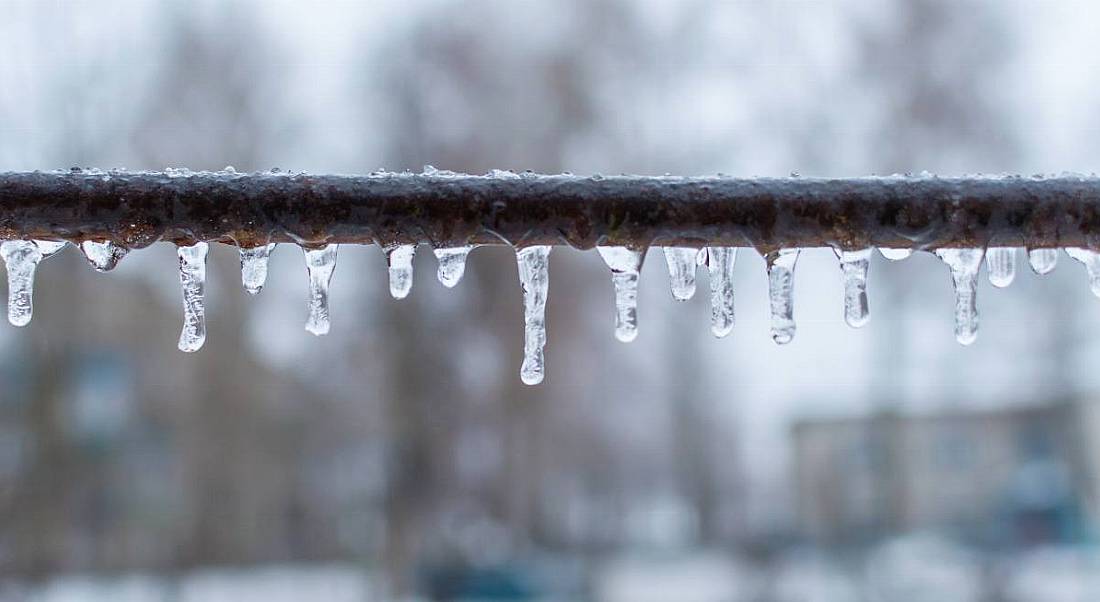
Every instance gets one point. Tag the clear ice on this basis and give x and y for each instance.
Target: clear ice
(21, 258)
(320, 263)
(720, 264)
(534, 277)
(193, 283)
(1091, 261)
(781, 266)
(895, 254)
(400, 259)
(682, 262)
(964, 264)
(254, 267)
(103, 256)
(1042, 261)
(1001, 262)
(625, 264)
(854, 265)
(452, 264)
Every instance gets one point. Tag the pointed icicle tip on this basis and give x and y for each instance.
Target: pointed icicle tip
(21, 258)
(720, 262)
(781, 266)
(254, 267)
(626, 265)
(855, 265)
(193, 284)
(682, 263)
(1001, 263)
(1042, 261)
(534, 277)
(895, 254)
(103, 256)
(320, 264)
(400, 259)
(964, 265)
(452, 264)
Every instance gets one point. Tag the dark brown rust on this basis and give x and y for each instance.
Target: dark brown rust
(138, 208)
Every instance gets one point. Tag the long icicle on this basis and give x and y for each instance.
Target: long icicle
(854, 265)
(781, 266)
(682, 263)
(534, 277)
(400, 259)
(21, 258)
(254, 267)
(625, 264)
(964, 264)
(320, 264)
(193, 284)
(452, 264)
(720, 262)
(1091, 260)
(1001, 263)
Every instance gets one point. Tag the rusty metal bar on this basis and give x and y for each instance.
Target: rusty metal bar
(138, 208)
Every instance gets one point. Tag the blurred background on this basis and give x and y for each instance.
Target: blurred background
(401, 458)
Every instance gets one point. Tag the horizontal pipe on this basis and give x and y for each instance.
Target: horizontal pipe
(136, 209)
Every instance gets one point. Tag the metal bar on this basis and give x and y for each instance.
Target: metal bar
(138, 208)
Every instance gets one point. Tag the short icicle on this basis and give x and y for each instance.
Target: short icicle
(1001, 263)
(781, 266)
(682, 262)
(103, 256)
(254, 267)
(1091, 261)
(193, 283)
(21, 258)
(854, 265)
(400, 259)
(452, 264)
(720, 262)
(1042, 261)
(626, 264)
(320, 264)
(895, 254)
(534, 277)
(964, 264)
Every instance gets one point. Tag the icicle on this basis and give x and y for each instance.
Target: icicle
(854, 265)
(895, 254)
(682, 262)
(1001, 262)
(400, 258)
(320, 263)
(1042, 260)
(193, 282)
(22, 258)
(103, 256)
(1091, 261)
(254, 267)
(452, 264)
(964, 264)
(781, 266)
(625, 264)
(534, 277)
(720, 264)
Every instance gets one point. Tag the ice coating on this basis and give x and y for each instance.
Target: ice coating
(534, 277)
(781, 266)
(720, 262)
(1042, 261)
(1001, 262)
(895, 254)
(254, 267)
(854, 265)
(452, 264)
(1091, 261)
(400, 259)
(21, 258)
(682, 262)
(625, 264)
(193, 284)
(964, 264)
(103, 256)
(320, 264)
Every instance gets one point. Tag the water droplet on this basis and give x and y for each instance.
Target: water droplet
(254, 267)
(452, 264)
(895, 254)
(781, 266)
(720, 265)
(103, 256)
(964, 264)
(682, 262)
(625, 264)
(854, 265)
(1042, 261)
(21, 258)
(1001, 262)
(534, 277)
(320, 264)
(400, 258)
(193, 283)
(1091, 261)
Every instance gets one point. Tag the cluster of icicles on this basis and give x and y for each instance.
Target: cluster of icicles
(22, 257)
